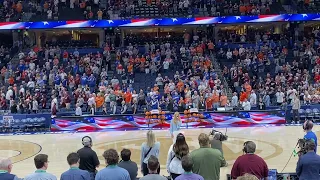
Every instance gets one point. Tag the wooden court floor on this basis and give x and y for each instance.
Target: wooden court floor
(274, 144)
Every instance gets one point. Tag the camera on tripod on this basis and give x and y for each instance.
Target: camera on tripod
(218, 135)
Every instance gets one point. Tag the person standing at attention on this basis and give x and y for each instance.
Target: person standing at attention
(5, 170)
(310, 135)
(112, 171)
(176, 151)
(175, 125)
(187, 164)
(153, 166)
(151, 147)
(74, 173)
(295, 108)
(88, 158)
(249, 163)
(41, 162)
(127, 164)
(207, 161)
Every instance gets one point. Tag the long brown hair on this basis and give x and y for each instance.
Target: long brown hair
(180, 147)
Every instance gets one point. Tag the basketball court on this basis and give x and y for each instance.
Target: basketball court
(274, 143)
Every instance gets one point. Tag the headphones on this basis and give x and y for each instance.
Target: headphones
(245, 148)
(306, 125)
(90, 140)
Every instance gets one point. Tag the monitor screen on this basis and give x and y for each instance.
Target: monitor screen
(272, 175)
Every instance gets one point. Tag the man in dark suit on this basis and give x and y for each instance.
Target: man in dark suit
(308, 166)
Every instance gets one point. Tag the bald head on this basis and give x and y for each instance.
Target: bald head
(5, 164)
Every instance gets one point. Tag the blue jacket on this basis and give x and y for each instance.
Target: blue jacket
(312, 136)
(75, 174)
(7, 176)
(308, 167)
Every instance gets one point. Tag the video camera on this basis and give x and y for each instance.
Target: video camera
(302, 147)
(222, 137)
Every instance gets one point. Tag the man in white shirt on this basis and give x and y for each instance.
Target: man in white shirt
(253, 98)
(91, 100)
(291, 94)
(49, 14)
(31, 84)
(32, 54)
(78, 110)
(182, 50)
(166, 65)
(32, 65)
(280, 97)
(159, 80)
(241, 50)
(246, 105)
(234, 100)
(22, 90)
(9, 94)
(21, 55)
(229, 54)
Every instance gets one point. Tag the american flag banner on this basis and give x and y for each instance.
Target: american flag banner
(139, 121)
(182, 21)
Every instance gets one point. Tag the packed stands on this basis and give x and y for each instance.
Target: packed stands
(72, 78)
(83, 10)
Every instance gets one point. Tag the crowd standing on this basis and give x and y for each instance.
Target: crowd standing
(81, 83)
(273, 70)
(184, 76)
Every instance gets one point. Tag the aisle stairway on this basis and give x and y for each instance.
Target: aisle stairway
(145, 10)
(224, 82)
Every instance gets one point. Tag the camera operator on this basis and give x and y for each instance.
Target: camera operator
(308, 166)
(310, 135)
(216, 140)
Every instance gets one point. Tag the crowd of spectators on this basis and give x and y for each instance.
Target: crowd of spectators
(184, 78)
(13, 10)
(272, 69)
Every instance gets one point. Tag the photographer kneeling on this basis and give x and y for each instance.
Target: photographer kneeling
(216, 139)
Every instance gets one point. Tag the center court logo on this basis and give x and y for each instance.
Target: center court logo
(18, 150)
(232, 148)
